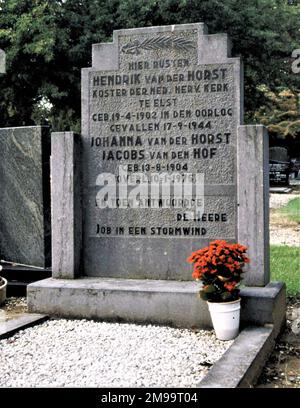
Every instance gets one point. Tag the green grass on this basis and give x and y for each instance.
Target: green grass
(285, 266)
(292, 210)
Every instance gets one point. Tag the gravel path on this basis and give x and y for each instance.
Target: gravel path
(280, 235)
(12, 307)
(279, 200)
(81, 353)
(282, 231)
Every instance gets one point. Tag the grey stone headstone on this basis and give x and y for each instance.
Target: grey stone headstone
(25, 235)
(149, 88)
(279, 154)
(2, 62)
(279, 166)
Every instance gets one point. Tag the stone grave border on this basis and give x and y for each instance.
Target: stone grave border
(22, 322)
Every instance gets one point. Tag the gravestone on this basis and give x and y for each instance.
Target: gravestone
(164, 100)
(25, 230)
(159, 101)
(279, 165)
(151, 108)
(278, 153)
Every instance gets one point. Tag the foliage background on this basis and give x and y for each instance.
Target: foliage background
(48, 42)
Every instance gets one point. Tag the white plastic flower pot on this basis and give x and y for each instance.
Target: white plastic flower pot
(3, 285)
(225, 318)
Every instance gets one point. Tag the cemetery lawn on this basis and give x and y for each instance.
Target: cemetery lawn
(292, 210)
(285, 266)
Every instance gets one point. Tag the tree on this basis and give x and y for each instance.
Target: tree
(48, 42)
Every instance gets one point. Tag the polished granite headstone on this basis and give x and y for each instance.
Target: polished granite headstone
(280, 166)
(278, 153)
(25, 233)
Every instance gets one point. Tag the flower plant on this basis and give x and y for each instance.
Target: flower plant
(219, 267)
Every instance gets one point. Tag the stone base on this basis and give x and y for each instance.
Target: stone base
(148, 301)
(241, 365)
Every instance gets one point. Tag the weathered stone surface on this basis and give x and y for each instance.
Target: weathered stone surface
(148, 301)
(271, 308)
(2, 62)
(253, 201)
(25, 235)
(242, 363)
(128, 300)
(159, 100)
(66, 205)
(279, 154)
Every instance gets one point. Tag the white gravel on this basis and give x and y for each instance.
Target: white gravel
(285, 236)
(283, 231)
(81, 353)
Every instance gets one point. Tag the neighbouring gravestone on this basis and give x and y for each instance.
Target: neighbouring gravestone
(25, 230)
(279, 165)
(278, 153)
(158, 100)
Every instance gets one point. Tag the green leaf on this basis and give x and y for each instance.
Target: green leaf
(204, 296)
(209, 289)
(226, 295)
